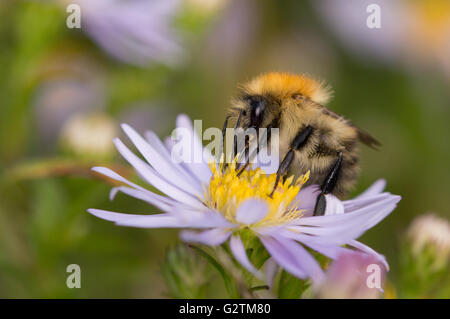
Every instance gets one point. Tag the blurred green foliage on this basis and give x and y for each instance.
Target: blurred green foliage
(43, 221)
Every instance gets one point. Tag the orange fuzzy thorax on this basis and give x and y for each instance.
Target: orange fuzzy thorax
(284, 85)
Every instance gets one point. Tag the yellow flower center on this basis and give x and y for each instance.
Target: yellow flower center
(227, 190)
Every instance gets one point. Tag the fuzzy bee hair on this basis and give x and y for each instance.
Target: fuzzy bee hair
(318, 138)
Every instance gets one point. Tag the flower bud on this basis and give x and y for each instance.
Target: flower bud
(430, 234)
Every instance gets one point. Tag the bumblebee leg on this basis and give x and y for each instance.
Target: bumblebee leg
(247, 146)
(327, 187)
(238, 122)
(224, 129)
(297, 144)
(282, 170)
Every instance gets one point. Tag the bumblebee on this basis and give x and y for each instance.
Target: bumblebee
(311, 137)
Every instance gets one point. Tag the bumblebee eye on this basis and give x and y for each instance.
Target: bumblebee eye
(298, 96)
(257, 107)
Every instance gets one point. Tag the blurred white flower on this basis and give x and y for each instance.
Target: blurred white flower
(431, 231)
(137, 32)
(90, 135)
(208, 6)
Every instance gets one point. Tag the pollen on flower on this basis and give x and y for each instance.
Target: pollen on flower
(227, 190)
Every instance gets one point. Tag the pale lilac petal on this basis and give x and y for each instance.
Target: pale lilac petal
(179, 219)
(159, 146)
(193, 218)
(156, 200)
(211, 237)
(306, 197)
(152, 177)
(341, 219)
(370, 251)
(238, 250)
(271, 271)
(331, 250)
(327, 246)
(375, 189)
(111, 174)
(184, 121)
(187, 166)
(306, 200)
(378, 217)
(201, 170)
(190, 167)
(341, 231)
(355, 204)
(283, 257)
(173, 221)
(304, 260)
(163, 166)
(151, 221)
(251, 211)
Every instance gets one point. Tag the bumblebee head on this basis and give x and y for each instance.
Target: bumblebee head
(260, 100)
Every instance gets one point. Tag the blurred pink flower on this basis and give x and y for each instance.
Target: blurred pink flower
(353, 275)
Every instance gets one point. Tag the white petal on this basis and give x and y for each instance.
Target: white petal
(355, 204)
(161, 202)
(200, 170)
(307, 196)
(251, 211)
(238, 250)
(201, 175)
(369, 251)
(293, 257)
(159, 146)
(339, 229)
(211, 237)
(334, 205)
(306, 262)
(361, 213)
(151, 221)
(283, 257)
(161, 164)
(152, 177)
(271, 271)
(201, 219)
(375, 189)
(330, 249)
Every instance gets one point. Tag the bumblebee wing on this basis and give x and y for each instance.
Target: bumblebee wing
(363, 136)
(367, 139)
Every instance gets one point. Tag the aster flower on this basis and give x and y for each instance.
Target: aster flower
(412, 33)
(212, 206)
(136, 31)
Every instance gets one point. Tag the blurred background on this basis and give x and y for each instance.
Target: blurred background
(64, 91)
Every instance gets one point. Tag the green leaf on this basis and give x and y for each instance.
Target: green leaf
(290, 287)
(229, 283)
(185, 273)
